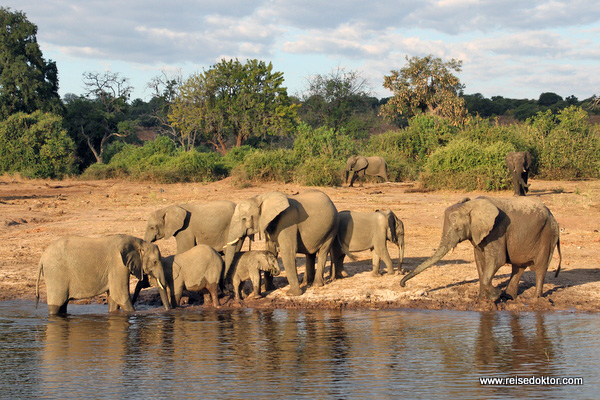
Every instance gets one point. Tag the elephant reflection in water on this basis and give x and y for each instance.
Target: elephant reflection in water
(520, 349)
(84, 354)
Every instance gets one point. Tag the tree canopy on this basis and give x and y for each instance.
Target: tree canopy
(231, 103)
(27, 82)
(425, 85)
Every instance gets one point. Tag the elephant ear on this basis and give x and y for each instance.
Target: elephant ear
(174, 219)
(272, 204)
(483, 217)
(361, 163)
(528, 160)
(391, 225)
(132, 256)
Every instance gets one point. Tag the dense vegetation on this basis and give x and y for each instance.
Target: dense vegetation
(236, 119)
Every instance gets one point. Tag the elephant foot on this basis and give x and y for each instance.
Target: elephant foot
(375, 273)
(492, 294)
(294, 291)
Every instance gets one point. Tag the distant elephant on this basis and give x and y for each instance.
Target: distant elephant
(199, 268)
(519, 231)
(360, 231)
(78, 267)
(358, 166)
(305, 223)
(519, 163)
(247, 265)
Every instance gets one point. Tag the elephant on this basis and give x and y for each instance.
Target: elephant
(192, 224)
(520, 231)
(360, 231)
(247, 265)
(358, 166)
(519, 163)
(199, 268)
(305, 223)
(78, 267)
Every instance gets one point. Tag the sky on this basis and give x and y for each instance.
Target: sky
(510, 48)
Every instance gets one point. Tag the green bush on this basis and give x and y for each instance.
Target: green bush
(270, 165)
(322, 142)
(320, 171)
(467, 165)
(36, 146)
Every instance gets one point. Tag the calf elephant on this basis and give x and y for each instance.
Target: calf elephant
(199, 268)
(77, 267)
(358, 231)
(519, 231)
(305, 223)
(519, 163)
(358, 166)
(247, 265)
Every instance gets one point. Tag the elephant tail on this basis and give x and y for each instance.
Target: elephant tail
(559, 258)
(345, 249)
(37, 285)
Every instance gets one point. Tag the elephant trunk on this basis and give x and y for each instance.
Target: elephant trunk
(149, 236)
(439, 254)
(347, 172)
(400, 245)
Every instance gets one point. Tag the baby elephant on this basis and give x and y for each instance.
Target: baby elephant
(199, 268)
(78, 267)
(247, 265)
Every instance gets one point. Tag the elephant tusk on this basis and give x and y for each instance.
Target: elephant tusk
(231, 243)
(160, 284)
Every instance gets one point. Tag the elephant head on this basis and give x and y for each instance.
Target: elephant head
(519, 162)
(268, 263)
(145, 259)
(468, 219)
(251, 216)
(355, 163)
(164, 223)
(395, 233)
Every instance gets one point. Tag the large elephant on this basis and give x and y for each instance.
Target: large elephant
(192, 224)
(519, 231)
(360, 231)
(519, 163)
(305, 223)
(358, 166)
(78, 267)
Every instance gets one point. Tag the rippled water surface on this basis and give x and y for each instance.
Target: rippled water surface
(324, 354)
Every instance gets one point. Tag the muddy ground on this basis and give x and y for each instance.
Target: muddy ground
(35, 212)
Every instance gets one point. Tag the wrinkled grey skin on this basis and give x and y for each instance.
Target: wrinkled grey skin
(519, 163)
(519, 231)
(199, 268)
(305, 223)
(247, 265)
(190, 224)
(360, 231)
(359, 166)
(76, 267)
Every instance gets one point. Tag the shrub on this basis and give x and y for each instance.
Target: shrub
(271, 165)
(322, 142)
(320, 171)
(36, 146)
(466, 165)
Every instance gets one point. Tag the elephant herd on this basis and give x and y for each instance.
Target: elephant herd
(520, 231)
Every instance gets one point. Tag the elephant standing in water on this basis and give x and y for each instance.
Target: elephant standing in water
(519, 231)
(304, 223)
(358, 166)
(77, 267)
(519, 163)
(359, 231)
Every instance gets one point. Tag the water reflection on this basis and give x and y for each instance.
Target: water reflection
(299, 354)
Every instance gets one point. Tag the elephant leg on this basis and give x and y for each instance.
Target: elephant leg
(288, 257)
(384, 254)
(207, 297)
(142, 284)
(112, 305)
(337, 271)
(352, 178)
(321, 261)
(486, 267)
(375, 260)
(309, 274)
(512, 289)
(213, 289)
(255, 278)
(58, 310)
(236, 288)
(540, 276)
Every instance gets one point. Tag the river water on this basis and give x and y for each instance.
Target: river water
(290, 354)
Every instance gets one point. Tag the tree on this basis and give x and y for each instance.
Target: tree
(231, 103)
(548, 98)
(27, 82)
(100, 114)
(426, 85)
(332, 100)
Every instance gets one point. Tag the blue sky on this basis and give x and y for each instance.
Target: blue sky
(511, 48)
